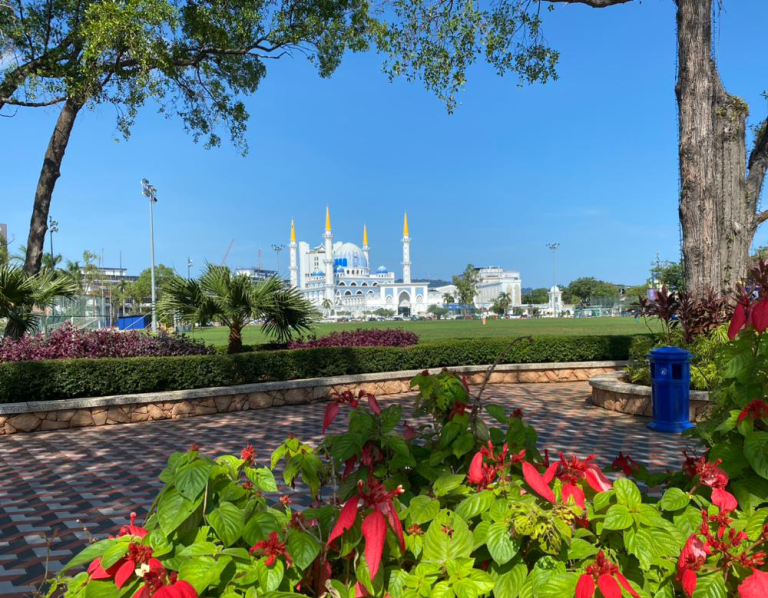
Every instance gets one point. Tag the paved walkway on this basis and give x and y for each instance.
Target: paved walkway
(70, 484)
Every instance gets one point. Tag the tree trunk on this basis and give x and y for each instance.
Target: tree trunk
(716, 213)
(50, 172)
(235, 340)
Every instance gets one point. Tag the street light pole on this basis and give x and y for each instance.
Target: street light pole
(189, 268)
(53, 227)
(553, 247)
(277, 249)
(149, 191)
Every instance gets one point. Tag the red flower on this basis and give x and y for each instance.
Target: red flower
(345, 398)
(755, 586)
(285, 500)
(271, 548)
(248, 454)
(757, 409)
(724, 500)
(373, 404)
(158, 584)
(609, 580)
(375, 524)
(624, 463)
(691, 559)
(483, 474)
(132, 529)
(741, 315)
(518, 413)
(539, 483)
(409, 432)
(759, 316)
(457, 409)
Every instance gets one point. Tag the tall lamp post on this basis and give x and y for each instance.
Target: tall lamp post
(277, 249)
(150, 192)
(553, 247)
(53, 227)
(190, 263)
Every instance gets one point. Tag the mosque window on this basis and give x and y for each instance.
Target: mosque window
(365, 284)
(347, 293)
(353, 284)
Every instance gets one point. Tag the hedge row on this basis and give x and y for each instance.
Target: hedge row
(69, 378)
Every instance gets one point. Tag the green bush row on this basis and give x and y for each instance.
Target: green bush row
(69, 378)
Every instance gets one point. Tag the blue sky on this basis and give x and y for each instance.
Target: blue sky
(589, 161)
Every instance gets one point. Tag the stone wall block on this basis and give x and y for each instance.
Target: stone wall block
(82, 418)
(53, 425)
(25, 422)
(182, 409)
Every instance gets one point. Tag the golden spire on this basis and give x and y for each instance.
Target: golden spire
(293, 232)
(327, 219)
(405, 226)
(365, 235)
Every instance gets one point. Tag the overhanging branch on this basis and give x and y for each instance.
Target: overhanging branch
(12, 102)
(592, 3)
(758, 165)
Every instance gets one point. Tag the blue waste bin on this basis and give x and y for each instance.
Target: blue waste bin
(671, 384)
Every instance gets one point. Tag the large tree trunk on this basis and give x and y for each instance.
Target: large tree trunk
(50, 172)
(717, 214)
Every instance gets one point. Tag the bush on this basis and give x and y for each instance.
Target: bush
(68, 342)
(375, 337)
(453, 509)
(67, 378)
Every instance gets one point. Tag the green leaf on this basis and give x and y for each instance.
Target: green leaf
(618, 517)
(115, 552)
(270, 577)
(390, 417)
(509, 584)
(262, 478)
(675, 499)
(191, 478)
(756, 452)
(259, 527)
(302, 548)
(199, 549)
(441, 589)
(502, 546)
(446, 483)
(346, 446)
(497, 413)
(173, 510)
(423, 509)
(710, 586)
(642, 545)
(89, 553)
(448, 537)
(227, 522)
(558, 586)
(603, 499)
(101, 589)
(581, 549)
(475, 504)
(627, 493)
(397, 444)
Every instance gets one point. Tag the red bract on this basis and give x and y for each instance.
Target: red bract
(271, 548)
(132, 529)
(158, 584)
(624, 463)
(248, 454)
(691, 560)
(539, 483)
(573, 469)
(755, 586)
(409, 432)
(759, 316)
(347, 398)
(609, 580)
(757, 409)
(374, 526)
(483, 474)
(738, 321)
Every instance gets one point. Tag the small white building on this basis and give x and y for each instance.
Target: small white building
(338, 277)
(493, 281)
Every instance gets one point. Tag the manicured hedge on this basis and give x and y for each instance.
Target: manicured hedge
(68, 378)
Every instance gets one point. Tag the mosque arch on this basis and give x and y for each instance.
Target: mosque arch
(342, 283)
(365, 284)
(404, 303)
(353, 284)
(348, 293)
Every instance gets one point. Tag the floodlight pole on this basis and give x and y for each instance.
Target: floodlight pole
(53, 227)
(149, 191)
(189, 268)
(553, 247)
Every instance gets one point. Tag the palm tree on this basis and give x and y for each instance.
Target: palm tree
(448, 298)
(327, 306)
(73, 272)
(23, 296)
(504, 300)
(235, 300)
(49, 261)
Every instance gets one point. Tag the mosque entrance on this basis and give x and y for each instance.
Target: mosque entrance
(404, 305)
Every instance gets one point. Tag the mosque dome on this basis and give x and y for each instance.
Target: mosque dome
(348, 255)
(381, 270)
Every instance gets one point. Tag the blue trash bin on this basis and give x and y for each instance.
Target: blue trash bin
(671, 384)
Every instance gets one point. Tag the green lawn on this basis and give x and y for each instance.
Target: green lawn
(450, 329)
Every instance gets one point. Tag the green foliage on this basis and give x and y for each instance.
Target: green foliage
(669, 274)
(466, 285)
(59, 379)
(588, 290)
(537, 296)
(22, 296)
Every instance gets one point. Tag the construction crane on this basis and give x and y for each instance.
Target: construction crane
(226, 253)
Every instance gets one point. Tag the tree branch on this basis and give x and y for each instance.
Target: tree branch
(12, 102)
(592, 3)
(758, 165)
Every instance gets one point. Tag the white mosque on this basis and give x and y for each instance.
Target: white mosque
(338, 277)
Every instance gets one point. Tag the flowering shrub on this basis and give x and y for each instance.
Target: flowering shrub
(449, 507)
(68, 342)
(374, 337)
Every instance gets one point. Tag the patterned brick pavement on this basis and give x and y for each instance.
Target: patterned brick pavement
(63, 483)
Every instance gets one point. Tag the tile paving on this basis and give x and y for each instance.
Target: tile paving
(67, 485)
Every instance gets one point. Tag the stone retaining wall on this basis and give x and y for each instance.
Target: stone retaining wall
(121, 409)
(610, 392)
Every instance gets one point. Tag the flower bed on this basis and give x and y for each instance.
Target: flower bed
(68, 342)
(448, 507)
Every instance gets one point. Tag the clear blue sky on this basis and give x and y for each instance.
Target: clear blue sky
(589, 161)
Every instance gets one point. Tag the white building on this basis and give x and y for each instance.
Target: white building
(338, 277)
(494, 281)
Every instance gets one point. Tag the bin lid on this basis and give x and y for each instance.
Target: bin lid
(669, 354)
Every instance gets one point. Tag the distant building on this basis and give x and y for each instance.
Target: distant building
(256, 274)
(338, 278)
(493, 281)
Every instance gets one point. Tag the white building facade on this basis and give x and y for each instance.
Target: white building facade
(338, 278)
(493, 281)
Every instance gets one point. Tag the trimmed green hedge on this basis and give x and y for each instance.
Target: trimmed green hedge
(69, 378)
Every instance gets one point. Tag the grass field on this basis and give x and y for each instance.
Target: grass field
(456, 329)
